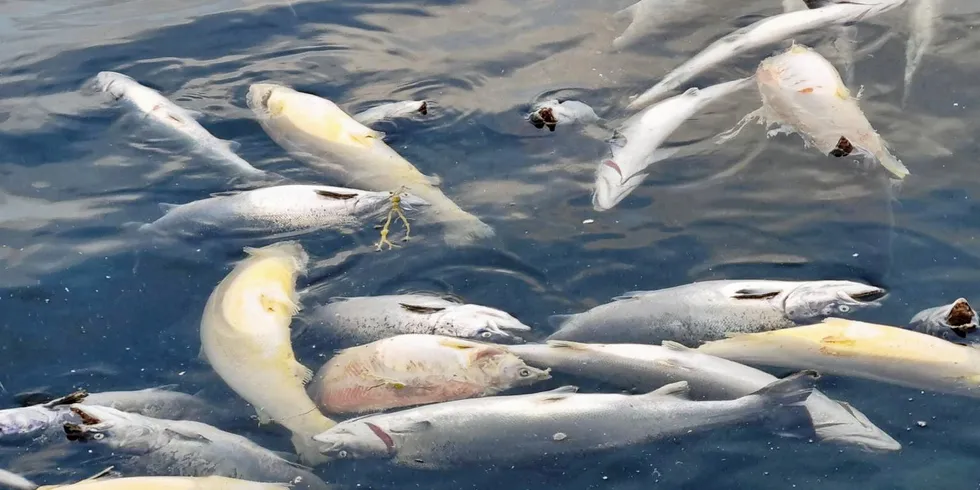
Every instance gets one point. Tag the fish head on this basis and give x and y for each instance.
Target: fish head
(815, 300)
(112, 83)
(114, 428)
(512, 372)
(612, 185)
(953, 322)
(481, 323)
(268, 100)
(356, 439)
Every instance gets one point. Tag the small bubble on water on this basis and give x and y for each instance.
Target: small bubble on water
(559, 436)
(921, 423)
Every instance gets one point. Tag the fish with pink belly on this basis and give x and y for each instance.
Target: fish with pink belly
(802, 92)
(416, 369)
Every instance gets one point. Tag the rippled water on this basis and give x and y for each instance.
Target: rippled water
(82, 305)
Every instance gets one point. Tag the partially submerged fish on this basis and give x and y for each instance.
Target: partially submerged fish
(37, 421)
(523, 428)
(415, 370)
(177, 120)
(169, 483)
(636, 144)
(318, 132)
(956, 322)
(862, 350)
(553, 112)
(285, 209)
(766, 31)
(803, 93)
(845, 39)
(245, 337)
(648, 16)
(922, 30)
(695, 313)
(359, 320)
(392, 110)
(644, 368)
(165, 447)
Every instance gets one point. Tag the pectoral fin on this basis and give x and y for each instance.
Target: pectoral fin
(454, 343)
(756, 293)
(679, 389)
(407, 427)
(302, 373)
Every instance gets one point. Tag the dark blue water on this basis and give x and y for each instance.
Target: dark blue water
(82, 305)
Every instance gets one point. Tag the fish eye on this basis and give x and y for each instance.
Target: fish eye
(486, 334)
(524, 372)
(98, 436)
(342, 454)
(843, 308)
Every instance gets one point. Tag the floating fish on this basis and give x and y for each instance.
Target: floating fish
(695, 313)
(645, 368)
(359, 320)
(648, 16)
(315, 130)
(922, 26)
(392, 110)
(845, 40)
(862, 350)
(415, 370)
(956, 322)
(522, 428)
(766, 31)
(803, 93)
(245, 337)
(160, 447)
(636, 144)
(553, 112)
(179, 121)
(277, 210)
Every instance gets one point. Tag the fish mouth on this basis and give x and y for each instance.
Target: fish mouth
(868, 296)
(962, 317)
(258, 96)
(611, 187)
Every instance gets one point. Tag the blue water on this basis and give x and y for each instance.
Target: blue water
(82, 305)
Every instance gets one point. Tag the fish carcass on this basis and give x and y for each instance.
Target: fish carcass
(318, 132)
(522, 428)
(956, 322)
(553, 112)
(392, 110)
(695, 313)
(245, 337)
(416, 369)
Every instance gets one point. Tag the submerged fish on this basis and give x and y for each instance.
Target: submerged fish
(636, 144)
(645, 368)
(922, 26)
(648, 16)
(553, 112)
(766, 31)
(415, 370)
(166, 447)
(317, 131)
(695, 313)
(278, 210)
(245, 337)
(522, 428)
(956, 322)
(174, 118)
(168, 483)
(802, 92)
(862, 350)
(392, 110)
(359, 320)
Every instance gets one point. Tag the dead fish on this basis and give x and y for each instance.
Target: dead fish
(553, 112)
(770, 30)
(956, 322)
(922, 26)
(802, 92)
(416, 369)
(392, 110)
(648, 16)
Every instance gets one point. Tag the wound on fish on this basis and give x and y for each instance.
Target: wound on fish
(843, 148)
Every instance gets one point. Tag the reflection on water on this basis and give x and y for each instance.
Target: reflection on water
(85, 302)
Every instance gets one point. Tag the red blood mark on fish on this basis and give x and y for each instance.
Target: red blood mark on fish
(808, 90)
(611, 164)
(385, 438)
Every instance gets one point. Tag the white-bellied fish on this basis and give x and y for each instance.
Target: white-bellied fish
(770, 30)
(802, 92)
(245, 336)
(649, 16)
(695, 313)
(392, 110)
(554, 112)
(862, 350)
(416, 369)
(179, 121)
(359, 320)
(643, 368)
(315, 130)
(158, 447)
(923, 16)
(278, 210)
(956, 322)
(636, 144)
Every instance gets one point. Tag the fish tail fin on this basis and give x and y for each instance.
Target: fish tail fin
(790, 391)
(466, 231)
(894, 165)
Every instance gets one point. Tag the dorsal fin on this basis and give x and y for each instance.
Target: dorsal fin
(680, 389)
(333, 195)
(675, 346)
(423, 310)
(756, 293)
(567, 344)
